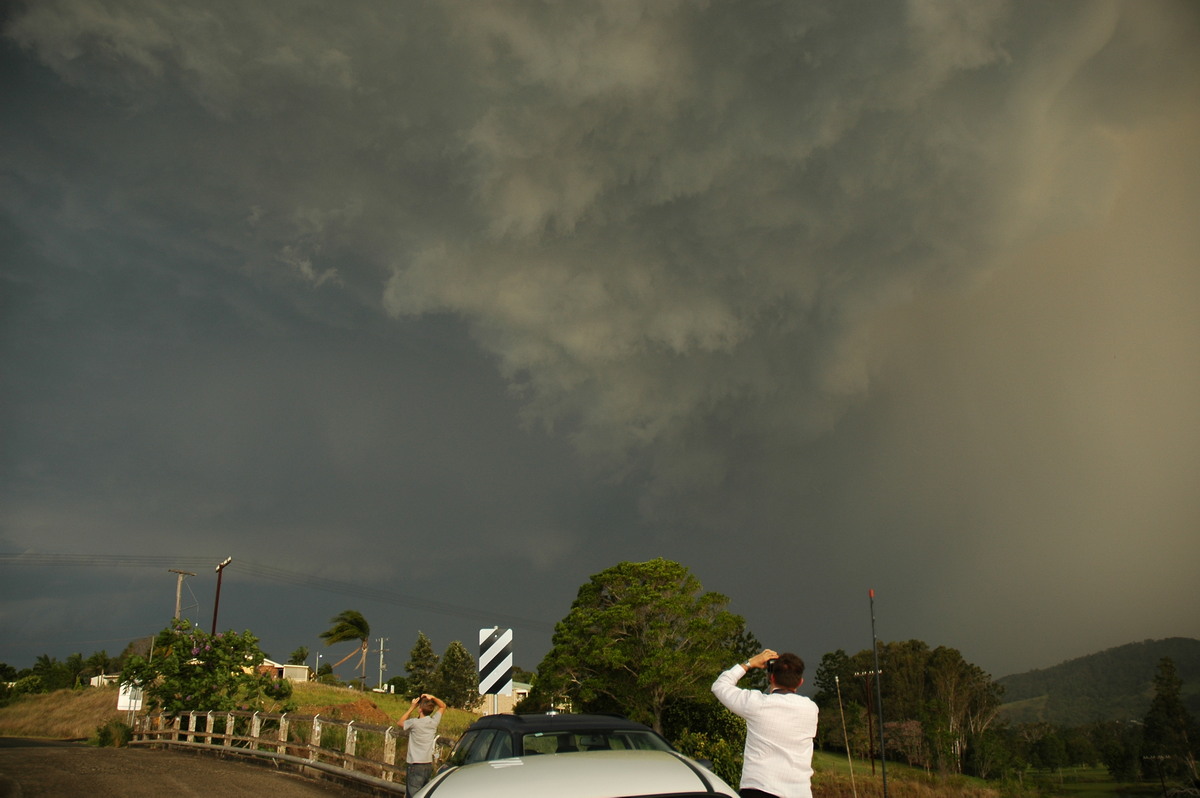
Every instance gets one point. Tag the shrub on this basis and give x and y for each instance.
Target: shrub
(726, 758)
(113, 734)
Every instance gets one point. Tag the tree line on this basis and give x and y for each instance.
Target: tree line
(48, 673)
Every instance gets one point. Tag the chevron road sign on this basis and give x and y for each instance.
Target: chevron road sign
(495, 661)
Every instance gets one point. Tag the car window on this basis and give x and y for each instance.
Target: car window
(501, 746)
(473, 747)
(638, 740)
(542, 743)
(459, 754)
(564, 742)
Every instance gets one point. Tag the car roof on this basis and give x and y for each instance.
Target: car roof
(552, 721)
(595, 774)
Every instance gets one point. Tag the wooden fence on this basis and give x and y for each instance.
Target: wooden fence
(312, 744)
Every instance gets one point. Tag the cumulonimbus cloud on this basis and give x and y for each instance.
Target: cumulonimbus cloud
(662, 219)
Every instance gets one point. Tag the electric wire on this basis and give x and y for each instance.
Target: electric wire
(271, 573)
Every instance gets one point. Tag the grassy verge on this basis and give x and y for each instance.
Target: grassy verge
(834, 779)
(77, 714)
(61, 715)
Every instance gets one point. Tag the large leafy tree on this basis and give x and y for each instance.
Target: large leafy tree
(347, 626)
(458, 678)
(1171, 736)
(422, 667)
(938, 708)
(192, 670)
(639, 637)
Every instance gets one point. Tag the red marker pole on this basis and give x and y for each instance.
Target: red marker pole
(878, 698)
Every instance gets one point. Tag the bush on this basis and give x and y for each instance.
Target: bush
(726, 758)
(113, 734)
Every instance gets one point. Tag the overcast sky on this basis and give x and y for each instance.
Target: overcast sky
(432, 310)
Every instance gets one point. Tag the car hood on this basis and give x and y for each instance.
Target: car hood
(592, 774)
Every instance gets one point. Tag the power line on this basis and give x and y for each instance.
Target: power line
(271, 573)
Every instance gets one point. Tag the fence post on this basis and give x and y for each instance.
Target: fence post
(314, 742)
(351, 745)
(209, 726)
(255, 730)
(389, 752)
(230, 728)
(283, 734)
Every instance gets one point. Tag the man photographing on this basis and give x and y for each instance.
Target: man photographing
(422, 735)
(780, 726)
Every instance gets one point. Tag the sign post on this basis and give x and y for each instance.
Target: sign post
(495, 663)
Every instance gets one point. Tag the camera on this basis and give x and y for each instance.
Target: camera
(771, 665)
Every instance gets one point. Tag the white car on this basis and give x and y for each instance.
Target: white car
(590, 774)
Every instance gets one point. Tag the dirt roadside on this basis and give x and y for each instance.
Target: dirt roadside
(49, 769)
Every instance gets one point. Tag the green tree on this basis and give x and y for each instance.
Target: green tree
(457, 678)
(840, 696)
(1049, 751)
(299, 656)
(421, 667)
(638, 637)
(1170, 733)
(75, 666)
(350, 625)
(98, 664)
(52, 674)
(952, 702)
(1119, 744)
(192, 670)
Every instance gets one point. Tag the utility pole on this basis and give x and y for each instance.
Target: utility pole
(866, 677)
(879, 700)
(217, 602)
(179, 587)
(382, 667)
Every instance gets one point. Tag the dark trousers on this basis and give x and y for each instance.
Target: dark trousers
(415, 777)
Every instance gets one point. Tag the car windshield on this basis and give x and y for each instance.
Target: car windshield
(559, 742)
(478, 745)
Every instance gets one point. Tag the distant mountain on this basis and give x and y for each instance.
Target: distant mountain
(1116, 684)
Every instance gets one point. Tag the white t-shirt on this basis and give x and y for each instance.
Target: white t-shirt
(422, 734)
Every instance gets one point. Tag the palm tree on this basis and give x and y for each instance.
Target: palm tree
(350, 625)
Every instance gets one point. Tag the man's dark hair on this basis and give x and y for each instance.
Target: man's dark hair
(788, 671)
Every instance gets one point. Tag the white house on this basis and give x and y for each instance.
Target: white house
(293, 673)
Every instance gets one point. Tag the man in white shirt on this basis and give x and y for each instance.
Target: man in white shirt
(780, 726)
(422, 734)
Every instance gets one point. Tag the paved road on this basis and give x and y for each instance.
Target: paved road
(48, 769)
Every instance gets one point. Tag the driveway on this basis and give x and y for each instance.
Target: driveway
(37, 768)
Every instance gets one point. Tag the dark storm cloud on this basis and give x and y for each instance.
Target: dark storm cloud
(504, 294)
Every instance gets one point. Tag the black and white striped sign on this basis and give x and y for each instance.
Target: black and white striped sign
(495, 661)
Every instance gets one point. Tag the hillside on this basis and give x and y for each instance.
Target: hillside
(75, 714)
(1116, 684)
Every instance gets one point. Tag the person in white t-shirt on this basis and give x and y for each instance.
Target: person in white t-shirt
(780, 726)
(422, 734)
